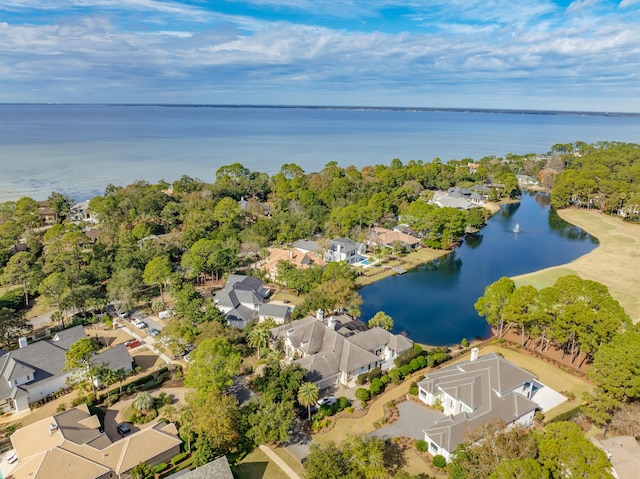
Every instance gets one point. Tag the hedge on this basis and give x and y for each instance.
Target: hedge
(179, 458)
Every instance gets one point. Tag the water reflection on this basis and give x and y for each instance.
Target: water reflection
(567, 230)
(473, 240)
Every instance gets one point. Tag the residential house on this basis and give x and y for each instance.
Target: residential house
(337, 349)
(624, 454)
(240, 299)
(308, 246)
(482, 389)
(345, 249)
(46, 214)
(526, 180)
(35, 371)
(386, 238)
(252, 205)
(280, 313)
(297, 258)
(473, 167)
(80, 213)
(216, 469)
(72, 444)
(443, 199)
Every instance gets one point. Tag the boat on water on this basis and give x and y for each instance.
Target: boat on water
(516, 229)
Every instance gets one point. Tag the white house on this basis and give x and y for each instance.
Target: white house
(345, 249)
(337, 349)
(35, 371)
(474, 392)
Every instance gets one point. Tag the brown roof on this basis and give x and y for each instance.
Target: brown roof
(71, 442)
(384, 236)
(293, 256)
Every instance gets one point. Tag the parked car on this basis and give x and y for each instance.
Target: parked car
(13, 457)
(154, 332)
(122, 314)
(139, 324)
(132, 343)
(123, 429)
(326, 401)
(187, 357)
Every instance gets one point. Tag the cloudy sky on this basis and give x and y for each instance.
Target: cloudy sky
(525, 54)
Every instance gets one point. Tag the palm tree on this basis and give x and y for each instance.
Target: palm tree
(120, 375)
(259, 338)
(308, 395)
(143, 402)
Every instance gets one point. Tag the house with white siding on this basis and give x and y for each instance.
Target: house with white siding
(480, 390)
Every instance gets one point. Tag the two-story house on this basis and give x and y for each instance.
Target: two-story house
(345, 249)
(335, 350)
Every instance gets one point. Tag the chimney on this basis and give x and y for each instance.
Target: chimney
(53, 427)
(474, 354)
(22, 342)
(331, 323)
(319, 315)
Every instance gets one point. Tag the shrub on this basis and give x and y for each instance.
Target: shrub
(465, 344)
(61, 407)
(439, 461)
(394, 375)
(415, 365)
(421, 445)
(377, 386)
(375, 373)
(342, 403)
(385, 379)
(363, 395)
(422, 362)
(349, 409)
(178, 458)
(413, 389)
(159, 467)
(362, 378)
(405, 370)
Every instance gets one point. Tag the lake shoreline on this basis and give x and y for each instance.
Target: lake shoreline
(615, 262)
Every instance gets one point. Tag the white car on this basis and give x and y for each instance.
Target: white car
(326, 401)
(138, 324)
(13, 457)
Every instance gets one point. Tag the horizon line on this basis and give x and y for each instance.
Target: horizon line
(337, 107)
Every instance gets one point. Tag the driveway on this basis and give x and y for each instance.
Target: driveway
(413, 420)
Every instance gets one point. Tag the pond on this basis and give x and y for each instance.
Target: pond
(433, 304)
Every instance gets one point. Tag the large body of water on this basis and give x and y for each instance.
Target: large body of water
(433, 304)
(79, 149)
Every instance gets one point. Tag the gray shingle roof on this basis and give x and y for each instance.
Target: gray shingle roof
(217, 469)
(486, 386)
(329, 351)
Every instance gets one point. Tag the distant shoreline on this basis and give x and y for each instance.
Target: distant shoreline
(504, 111)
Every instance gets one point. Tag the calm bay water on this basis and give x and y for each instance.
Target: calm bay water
(79, 149)
(433, 304)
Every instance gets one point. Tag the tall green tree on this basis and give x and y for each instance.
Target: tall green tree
(494, 302)
(79, 360)
(13, 324)
(212, 367)
(21, 270)
(259, 338)
(564, 451)
(157, 272)
(382, 320)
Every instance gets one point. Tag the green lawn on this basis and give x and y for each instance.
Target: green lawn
(257, 465)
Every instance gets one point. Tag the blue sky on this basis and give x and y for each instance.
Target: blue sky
(536, 54)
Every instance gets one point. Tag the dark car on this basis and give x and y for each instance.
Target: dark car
(123, 429)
